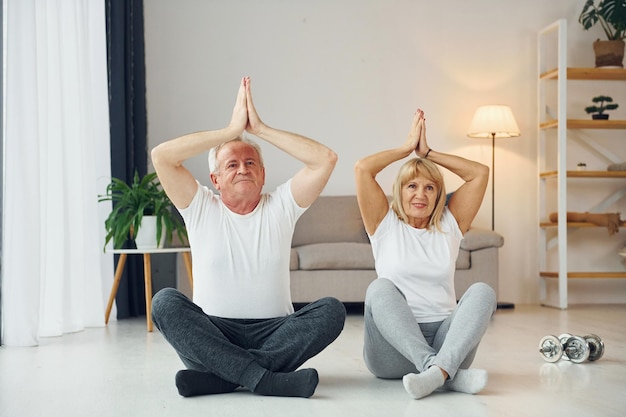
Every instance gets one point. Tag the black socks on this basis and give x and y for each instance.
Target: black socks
(300, 383)
(191, 383)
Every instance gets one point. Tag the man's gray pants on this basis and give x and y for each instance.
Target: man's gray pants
(240, 351)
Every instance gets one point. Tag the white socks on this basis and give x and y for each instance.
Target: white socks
(469, 381)
(421, 385)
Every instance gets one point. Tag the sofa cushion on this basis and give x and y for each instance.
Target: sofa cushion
(330, 219)
(463, 260)
(313, 258)
(476, 238)
(293, 260)
(338, 255)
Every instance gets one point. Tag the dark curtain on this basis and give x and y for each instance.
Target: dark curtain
(127, 117)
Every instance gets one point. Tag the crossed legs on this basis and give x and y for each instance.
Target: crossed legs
(396, 346)
(261, 355)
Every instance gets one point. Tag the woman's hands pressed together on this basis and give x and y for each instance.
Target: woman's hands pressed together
(416, 139)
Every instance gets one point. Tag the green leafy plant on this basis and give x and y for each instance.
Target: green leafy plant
(611, 14)
(144, 197)
(601, 105)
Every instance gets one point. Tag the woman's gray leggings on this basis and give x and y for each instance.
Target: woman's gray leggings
(396, 344)
(241, 350)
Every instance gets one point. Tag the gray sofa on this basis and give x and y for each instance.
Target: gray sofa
(331, 254)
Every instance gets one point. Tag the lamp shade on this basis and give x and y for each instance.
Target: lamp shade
(493, 121)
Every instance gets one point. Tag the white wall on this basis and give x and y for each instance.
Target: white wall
(350, 73)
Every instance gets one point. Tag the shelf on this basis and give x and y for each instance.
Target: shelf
(585, 124)
(617, 74)
(556, 248)
(579, 275)
(546, 225)
(586, 174)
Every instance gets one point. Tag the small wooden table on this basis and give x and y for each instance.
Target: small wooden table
(147, 275)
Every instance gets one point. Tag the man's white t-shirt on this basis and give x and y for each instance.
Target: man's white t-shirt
(241, 262)
(421, 263)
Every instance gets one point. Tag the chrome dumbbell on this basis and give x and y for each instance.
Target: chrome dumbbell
(575, 348)
(551, 348)
(596, 346)
(579, 349)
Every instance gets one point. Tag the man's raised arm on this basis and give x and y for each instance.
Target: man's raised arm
(168, 157)
(319, 160)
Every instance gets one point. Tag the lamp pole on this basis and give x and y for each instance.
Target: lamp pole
(489, 121)
(493, 180)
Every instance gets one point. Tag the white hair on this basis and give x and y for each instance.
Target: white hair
(212, 158)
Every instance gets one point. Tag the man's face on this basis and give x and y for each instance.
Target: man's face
(239, 173)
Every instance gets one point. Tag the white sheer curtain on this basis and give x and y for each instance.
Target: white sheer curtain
(55, 275)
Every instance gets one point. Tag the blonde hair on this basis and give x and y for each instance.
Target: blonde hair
(410, 170)
(214, 168)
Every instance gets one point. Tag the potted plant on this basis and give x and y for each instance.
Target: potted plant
(611, 15)
(602, 105)
(133, 204)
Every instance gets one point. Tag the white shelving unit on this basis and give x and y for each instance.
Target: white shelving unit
(554, 124)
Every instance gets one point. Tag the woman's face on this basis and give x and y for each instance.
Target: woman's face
(419, 197)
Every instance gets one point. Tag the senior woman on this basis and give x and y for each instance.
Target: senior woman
(414, 328)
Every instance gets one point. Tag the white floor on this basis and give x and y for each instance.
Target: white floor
(122, 370)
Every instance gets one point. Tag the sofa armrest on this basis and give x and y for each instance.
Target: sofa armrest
(477, 238)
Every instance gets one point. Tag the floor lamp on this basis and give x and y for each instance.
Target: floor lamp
(494, 121)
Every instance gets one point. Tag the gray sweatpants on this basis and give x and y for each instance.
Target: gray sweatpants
(241, 350)
(396, 344)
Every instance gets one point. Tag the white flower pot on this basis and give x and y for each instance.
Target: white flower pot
(146, 235)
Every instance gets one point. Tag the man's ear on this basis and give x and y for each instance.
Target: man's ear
(215, 182)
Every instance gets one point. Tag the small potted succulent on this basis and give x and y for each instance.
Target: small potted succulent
(135, 204)
(603, 103)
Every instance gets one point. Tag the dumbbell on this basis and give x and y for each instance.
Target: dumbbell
(596, 346)
(575, 348)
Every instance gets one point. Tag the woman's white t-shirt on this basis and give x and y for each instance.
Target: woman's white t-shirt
(420, 262)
